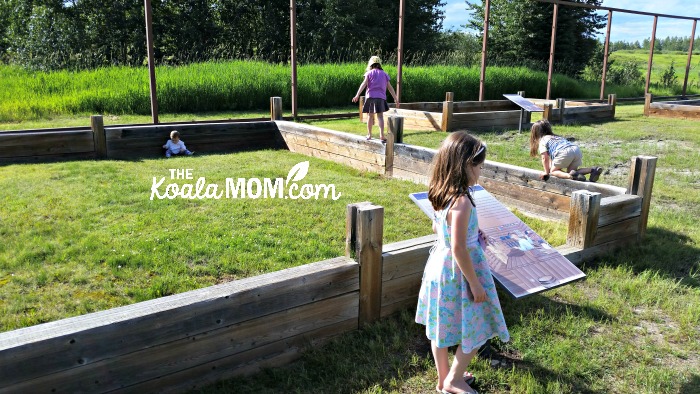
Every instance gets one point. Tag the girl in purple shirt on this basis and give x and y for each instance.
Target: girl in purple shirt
(377, 82)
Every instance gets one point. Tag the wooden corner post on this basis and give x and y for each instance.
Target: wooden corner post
(389, 153)
(641, 182)
(547, 114)
(447, 111)
(561, 104)
(275, 108)
(98, 136)
(648, 98)
(612, 101)
(583, 218)
(370, 231)
(396, 128)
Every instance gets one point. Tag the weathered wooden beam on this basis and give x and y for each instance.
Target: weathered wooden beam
(98, 135)
(396, 127)
(583, 218)
(275, 108)
(370, 232)
(447, 111)
(641, 183)
(351, 229)
(651, 55)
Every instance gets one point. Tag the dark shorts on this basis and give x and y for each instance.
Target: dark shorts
(375, 105)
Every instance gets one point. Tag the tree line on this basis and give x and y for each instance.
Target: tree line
(660, 44)
(56, 34)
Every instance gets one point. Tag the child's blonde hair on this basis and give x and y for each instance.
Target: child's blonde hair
(174, 134)
(451, 175)
(538, 130)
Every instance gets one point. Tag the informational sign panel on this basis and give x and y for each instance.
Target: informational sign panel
(521, 261)
(523, 103)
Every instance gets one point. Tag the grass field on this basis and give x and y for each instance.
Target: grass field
(630, 327)
(81, 236)
(662, 61)
(248, 85)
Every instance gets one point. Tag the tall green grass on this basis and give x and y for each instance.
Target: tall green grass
(248, 85)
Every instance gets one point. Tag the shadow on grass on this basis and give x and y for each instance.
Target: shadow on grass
(671, 254)
(692, 386)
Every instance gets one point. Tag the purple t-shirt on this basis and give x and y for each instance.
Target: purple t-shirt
(376, 83)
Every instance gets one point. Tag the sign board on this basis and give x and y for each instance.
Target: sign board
(521, 261)
(523, 103)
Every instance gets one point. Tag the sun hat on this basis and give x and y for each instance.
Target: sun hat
(373, 60)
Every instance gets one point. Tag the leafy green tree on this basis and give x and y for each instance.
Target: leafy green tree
(520, 33)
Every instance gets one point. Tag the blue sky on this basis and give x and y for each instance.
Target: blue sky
(625, 27)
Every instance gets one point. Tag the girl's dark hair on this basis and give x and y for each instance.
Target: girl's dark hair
(537, 131)
(451, 175)
(377, 66)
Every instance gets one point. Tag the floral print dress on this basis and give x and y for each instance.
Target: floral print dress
(445, 303)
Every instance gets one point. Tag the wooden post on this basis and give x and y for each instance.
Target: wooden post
(690, 56)
(484, 40)
(561, 104)
(551, 50)
(293, 60)
(449, 96)
(605, 55)
(612, 101)
(399, 67)
(651, 55)
(547, 114)
(396, 128)
(370, 230)
(98, 136)
(648, 99)
(361, 101)
(351, 229)
(151, 65)
(389, 154)
(447, 110)
(275, 108)
(641, 182)
(583, 218)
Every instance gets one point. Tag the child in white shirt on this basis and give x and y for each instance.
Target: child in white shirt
(174, 146)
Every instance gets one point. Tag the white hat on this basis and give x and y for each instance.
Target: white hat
(373, 60)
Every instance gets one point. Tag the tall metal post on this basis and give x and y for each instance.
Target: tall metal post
(151, 64)
(690, 56)
(482, 75)
(551, 50)
(651, 55)
(293, 31)
(605, 56)
(399, 71)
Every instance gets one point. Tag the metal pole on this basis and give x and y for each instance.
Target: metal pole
(605, 56)
(651, 55)
(399, 71)
(151, 64)
(690, 55)
(482, 76)
(293, 31)
(551, 50)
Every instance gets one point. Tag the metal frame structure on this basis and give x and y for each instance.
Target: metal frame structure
(484, 50)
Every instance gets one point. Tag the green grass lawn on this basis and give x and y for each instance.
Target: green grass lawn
(81, 236)
(630, 327)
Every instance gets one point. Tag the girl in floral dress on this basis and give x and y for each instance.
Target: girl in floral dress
(458, 303)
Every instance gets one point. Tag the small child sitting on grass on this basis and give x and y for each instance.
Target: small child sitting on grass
(175, 146)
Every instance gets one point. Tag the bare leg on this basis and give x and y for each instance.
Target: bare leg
(380, 120)
(557, 172)
(370, 123)
(454, 382)
(442, 363)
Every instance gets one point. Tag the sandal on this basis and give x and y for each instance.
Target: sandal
(369, 137)
(576, 176)
(469, 378)
(383, 140)
(595, 173)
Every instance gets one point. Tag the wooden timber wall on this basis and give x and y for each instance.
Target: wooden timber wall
(495, 114)
(685, 109)
(39, 145)
(184, 341)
